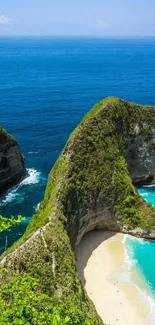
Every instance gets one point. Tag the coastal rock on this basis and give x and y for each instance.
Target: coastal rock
(140, 156)
(90, 187)
(12, 166)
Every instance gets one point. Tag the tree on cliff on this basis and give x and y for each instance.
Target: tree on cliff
(7, 223)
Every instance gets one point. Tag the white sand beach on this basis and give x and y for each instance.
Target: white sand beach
(101, 266)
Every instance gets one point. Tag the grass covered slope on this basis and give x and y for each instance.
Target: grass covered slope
(89, 187)
(4, 132)
(92, 172)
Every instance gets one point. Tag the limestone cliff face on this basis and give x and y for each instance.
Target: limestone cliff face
(90, 187)
(140, 156)
(12, 167)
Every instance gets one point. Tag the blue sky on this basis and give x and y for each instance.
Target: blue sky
(78, 17)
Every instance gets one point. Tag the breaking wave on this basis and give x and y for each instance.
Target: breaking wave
(32, 177)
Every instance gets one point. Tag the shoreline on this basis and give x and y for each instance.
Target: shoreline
(110, 279)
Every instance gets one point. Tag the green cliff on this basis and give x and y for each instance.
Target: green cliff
(90, 187)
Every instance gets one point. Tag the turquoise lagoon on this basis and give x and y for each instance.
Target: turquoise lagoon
(140, 257)
(144, 251)
(148, 193)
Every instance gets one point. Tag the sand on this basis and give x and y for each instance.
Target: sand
(101, 268)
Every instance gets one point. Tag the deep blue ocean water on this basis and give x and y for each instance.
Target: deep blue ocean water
(46, 86)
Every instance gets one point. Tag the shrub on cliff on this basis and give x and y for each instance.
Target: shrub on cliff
(7, 223)
(22, 303)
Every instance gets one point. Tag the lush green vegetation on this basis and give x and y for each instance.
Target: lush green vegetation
(99, 140)
(51, 296)
(7, 223)
(3, 131)
(23, 303)
(98, 174)
(90, 174)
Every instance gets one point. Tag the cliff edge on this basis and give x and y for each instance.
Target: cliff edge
(12, 166)
(91, 186)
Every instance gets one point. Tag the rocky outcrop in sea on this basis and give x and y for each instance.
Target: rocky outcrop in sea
(12, 165)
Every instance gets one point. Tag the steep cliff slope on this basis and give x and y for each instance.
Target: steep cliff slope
(12, 167)
(90, 187)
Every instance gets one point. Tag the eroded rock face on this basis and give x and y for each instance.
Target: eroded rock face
(100, 219)
(12, 166)
(140, 156)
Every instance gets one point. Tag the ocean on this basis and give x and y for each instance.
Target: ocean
(47, 85)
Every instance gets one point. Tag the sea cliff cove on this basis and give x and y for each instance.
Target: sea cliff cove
(81, 258)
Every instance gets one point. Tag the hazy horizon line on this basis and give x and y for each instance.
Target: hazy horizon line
(78, 36)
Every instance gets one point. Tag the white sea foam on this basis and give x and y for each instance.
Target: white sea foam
(33, 152)
(144, 295)
(12, 196)
(143, 194)
(37, 207)
(153, 185)
(32, 177)
(130, 274)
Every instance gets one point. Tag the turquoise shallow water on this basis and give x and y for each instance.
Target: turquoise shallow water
(141, 251)
(148, 194)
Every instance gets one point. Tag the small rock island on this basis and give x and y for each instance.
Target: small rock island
(12, 165)
(92, 186)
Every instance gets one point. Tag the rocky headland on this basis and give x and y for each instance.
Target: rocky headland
(91, 186)
(12, 166)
